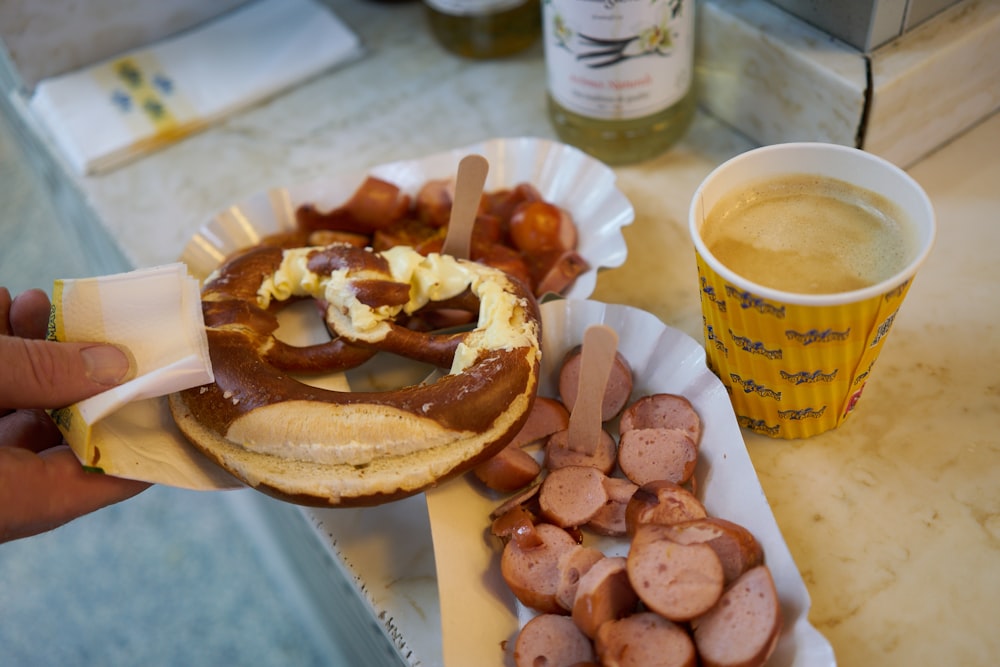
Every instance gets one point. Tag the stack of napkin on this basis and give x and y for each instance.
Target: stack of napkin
(107, 114)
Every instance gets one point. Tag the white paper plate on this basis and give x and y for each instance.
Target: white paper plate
(480, 613)
(665, 360)
(563, 174)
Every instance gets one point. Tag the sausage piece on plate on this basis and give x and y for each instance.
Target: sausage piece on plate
(604, 594)
(649, 454)
(574, 564)
(533, 573)
(742, 629)
(677, 581)
(616, 393)
(662, 411)
(552, 640)
(644, 640)
(570, 496)
(508, 470)
(662, 502)
(559, 453)
(610, 519)
(547, 415)
(738, 550)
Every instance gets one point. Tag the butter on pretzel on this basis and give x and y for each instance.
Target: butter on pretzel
(328, 448)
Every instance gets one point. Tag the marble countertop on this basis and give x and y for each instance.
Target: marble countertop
(893, 520)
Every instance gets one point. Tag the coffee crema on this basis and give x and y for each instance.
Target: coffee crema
(809, 234)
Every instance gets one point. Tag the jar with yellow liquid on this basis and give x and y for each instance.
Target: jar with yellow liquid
(620, 75)
(485, 29)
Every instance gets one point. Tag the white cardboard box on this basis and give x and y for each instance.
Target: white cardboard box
(775, 78)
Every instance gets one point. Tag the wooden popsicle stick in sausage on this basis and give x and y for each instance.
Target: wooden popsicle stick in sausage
(469, 184)
(600, 345)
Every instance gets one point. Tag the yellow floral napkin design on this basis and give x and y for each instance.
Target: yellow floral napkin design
(128, 431)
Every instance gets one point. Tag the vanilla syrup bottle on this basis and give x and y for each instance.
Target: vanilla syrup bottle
(620, 74)
(484, 29)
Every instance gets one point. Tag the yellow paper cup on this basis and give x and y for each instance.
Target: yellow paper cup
(795, 364)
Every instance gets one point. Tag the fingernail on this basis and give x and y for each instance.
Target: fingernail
(105, 364)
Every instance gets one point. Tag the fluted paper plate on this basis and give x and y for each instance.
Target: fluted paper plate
(666, 360)
(564, 175)
(390, 553)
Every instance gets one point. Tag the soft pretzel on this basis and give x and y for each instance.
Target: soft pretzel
(320, 447)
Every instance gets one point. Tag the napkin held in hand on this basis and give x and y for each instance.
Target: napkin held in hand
(127, 430)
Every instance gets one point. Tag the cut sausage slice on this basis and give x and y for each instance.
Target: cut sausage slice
(662, 411)
(572, 565)
(559, 454)
(610, 519)
(533, 573)
(518, 524)
(644, 640)
(527, 499)
(616, 393)
(742, 630)
(547, 416)
(662, 502)
(649, 454)
(677, 581)
(604, 594)
(738, 550)
(571, 496)
(508, 470)
(551, 640)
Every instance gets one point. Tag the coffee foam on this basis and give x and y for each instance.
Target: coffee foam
(809, 235)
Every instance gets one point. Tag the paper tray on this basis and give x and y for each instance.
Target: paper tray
(388, 549)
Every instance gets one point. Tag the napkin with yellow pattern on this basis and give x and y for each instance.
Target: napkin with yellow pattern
(127, 431)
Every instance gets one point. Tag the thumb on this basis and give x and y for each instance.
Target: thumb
(47, 374)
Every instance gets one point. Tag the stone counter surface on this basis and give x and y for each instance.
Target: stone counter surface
(893, 520)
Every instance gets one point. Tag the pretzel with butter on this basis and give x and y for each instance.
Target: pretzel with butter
(320, 447)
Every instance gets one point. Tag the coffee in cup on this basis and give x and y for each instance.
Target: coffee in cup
(805, 252)
(810, 234)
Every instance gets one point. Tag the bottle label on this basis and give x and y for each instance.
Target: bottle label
(472, 7)
(619, 59)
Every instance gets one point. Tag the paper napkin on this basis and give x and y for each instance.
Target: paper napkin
(128, 431)
(109, 113)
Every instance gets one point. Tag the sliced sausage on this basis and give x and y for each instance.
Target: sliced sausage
(662, 411)
(533, 573)
(616, 393)
(572, 565)
(558, 453)
(570, 496)
(610, 519)
(662, 502)
(518, 524)
(738, 550)
(547, 416)
(644, 640)
(558, 272)
(742, 629)
(603, 594)
(508, 470)
(648, 454)
(527, 498)
(677, 581)
(551, 640)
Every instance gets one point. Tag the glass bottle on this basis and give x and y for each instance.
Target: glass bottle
(620, 75)
(485, 28)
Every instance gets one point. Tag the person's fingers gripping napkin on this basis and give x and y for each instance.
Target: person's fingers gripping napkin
(127, 430)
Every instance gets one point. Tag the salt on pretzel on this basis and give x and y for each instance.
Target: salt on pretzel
(320, 447)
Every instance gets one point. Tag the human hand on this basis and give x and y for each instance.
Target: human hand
(42, 484)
